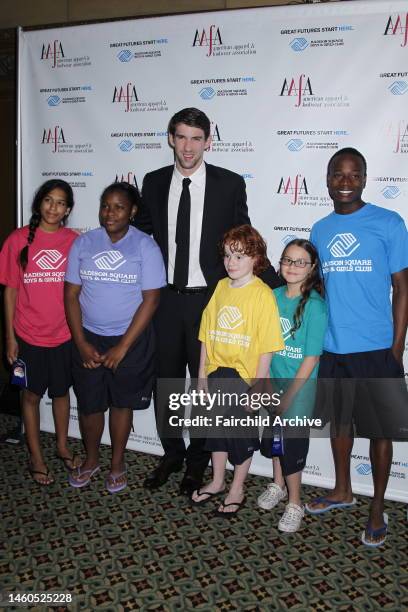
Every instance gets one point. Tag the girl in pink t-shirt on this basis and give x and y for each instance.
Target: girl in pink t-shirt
(32, 268)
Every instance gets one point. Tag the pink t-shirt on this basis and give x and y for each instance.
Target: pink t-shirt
(39, 316)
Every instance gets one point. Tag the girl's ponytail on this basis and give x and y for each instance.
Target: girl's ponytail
(34, 223)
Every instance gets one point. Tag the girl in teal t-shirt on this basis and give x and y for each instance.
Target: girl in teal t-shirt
(303, 317)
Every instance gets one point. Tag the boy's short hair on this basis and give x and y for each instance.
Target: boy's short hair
(192, 117)
(246, 239)
(347, 151)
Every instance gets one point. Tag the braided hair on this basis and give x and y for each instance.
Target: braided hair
(35, 218)
(314, 280)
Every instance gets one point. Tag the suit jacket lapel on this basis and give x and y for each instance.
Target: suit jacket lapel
(163, 203)
(208, 210)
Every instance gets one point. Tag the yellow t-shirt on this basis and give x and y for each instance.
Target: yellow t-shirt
(238, 325)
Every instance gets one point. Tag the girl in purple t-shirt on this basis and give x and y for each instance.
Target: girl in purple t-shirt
(112, 291)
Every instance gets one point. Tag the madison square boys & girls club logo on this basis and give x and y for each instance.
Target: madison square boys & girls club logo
(48, 261)
(127, 51)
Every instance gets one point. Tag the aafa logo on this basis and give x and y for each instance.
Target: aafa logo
(49, 259)
(109, 260)
(54, 136)
(343, 245)
(127, 94)
(299, 44)
(402, 136)
(208, 39)
(398, 26)
(298, 87)
(215, 132)
(294, 187)
(229, 317)
(364, 469)
(128, 177)
(286, 326)
(52, 51)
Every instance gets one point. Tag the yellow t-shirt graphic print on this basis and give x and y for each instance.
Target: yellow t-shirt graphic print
(238, 325)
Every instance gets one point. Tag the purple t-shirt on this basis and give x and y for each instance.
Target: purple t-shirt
(113, 276)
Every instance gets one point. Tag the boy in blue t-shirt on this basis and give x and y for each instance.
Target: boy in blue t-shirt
(364, 250)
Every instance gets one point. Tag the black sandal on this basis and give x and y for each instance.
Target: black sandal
(65, 461)
(207, 499)
(47, 474)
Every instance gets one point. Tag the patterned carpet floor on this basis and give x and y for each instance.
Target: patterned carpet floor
(153, 552)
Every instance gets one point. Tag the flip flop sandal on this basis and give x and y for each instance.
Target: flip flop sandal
(110, 482)
(331, 505)
(381, 533)
(65, 461)
(75, 481)
(229, 515)
(207, 499)
(47, 474)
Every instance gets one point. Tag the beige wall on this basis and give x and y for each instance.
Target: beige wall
(42, 12)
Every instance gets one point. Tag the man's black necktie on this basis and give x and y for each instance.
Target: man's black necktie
(183, 237)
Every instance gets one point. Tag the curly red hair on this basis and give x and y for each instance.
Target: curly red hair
(247, 240)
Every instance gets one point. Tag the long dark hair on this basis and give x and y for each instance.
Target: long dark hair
(35, 218)
(314, 280)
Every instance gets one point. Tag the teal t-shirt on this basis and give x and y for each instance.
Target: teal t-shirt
(306, 341)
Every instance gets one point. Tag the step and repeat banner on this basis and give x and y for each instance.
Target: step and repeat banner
(284, 87)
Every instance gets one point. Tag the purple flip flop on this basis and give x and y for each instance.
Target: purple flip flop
(73, 477)
(111, 479)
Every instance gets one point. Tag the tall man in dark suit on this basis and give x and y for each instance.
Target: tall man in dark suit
(187, 207)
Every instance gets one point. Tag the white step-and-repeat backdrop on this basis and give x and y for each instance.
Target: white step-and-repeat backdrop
(284, 87)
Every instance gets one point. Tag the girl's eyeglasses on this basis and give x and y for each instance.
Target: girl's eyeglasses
(298, 263)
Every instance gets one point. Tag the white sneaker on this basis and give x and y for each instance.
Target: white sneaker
(292, 518)
(271, 497)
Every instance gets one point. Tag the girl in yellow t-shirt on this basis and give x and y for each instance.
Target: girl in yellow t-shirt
(239, 331)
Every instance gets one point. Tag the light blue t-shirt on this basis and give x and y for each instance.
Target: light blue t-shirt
(359, 252)
(113, 276)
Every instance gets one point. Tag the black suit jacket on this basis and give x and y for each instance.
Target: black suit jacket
(224, 207)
